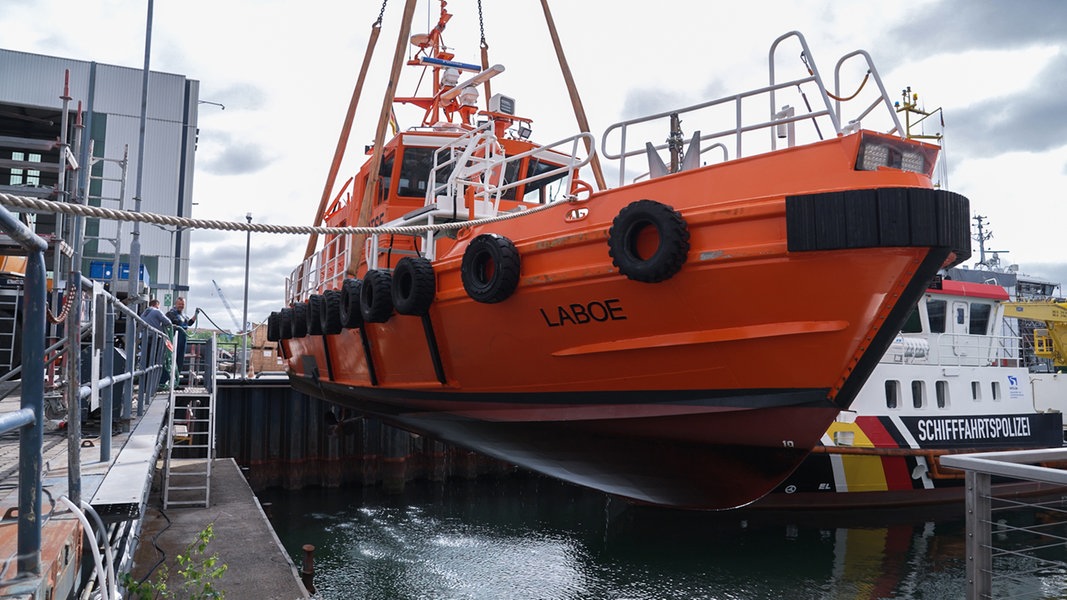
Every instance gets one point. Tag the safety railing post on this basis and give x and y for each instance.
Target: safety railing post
(130, 340)
(106, 320)
(979, 535)
(30, 421)
(133, 333)
(30, 438)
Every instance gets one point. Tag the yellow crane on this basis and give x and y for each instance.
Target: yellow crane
(1050, 341)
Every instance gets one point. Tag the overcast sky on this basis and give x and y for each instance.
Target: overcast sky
(285, 72)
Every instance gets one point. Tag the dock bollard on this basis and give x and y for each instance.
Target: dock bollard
(307, 570)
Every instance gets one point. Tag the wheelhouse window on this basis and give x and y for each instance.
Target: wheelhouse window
(980, 314)
(542, 190)
(415, 168)
(385, 177)
(913, 324)
(936, 311)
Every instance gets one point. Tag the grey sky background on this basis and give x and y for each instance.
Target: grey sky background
(285, 72)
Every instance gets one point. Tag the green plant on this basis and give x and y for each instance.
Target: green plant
(199, 574)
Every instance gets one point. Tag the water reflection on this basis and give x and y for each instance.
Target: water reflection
(527, 537)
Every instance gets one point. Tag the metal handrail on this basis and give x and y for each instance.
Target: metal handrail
(824, 110)
(980, 468)
(29, 419)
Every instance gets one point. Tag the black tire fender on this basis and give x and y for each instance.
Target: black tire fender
(351, 316)
(490, 268)
(376, 297)
(285, 324)
(414, 286)
(300, 319)
(272, 327)
(331, 312)
(632, 224)
(314, 314)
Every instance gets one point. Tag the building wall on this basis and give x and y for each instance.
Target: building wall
(36, 81)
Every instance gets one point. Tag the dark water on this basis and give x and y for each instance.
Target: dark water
(527, 537)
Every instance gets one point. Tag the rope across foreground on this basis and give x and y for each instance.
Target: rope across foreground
(71, 208)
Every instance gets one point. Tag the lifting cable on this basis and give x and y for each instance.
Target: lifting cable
(485, 51)
(346, 129)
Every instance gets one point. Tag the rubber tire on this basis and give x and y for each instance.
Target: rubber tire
(376, 297)
(285, 324)
(300, 320)
(331, 312)
(673, 247)
(273, 329)
(490, 268)
(351, 315)
(414, 286)
(316, 307)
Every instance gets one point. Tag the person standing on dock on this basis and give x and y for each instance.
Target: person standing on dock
(181, 322)
(156, 319)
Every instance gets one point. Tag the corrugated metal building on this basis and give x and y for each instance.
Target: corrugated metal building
(31, 87)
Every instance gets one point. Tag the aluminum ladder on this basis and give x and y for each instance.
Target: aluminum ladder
(191, 432)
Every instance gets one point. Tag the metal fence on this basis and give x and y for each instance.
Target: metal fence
(1016, 546)
(83, 393)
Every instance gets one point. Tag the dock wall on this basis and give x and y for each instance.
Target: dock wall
(284, 438)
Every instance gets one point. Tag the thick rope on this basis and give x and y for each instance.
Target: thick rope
(68, 208)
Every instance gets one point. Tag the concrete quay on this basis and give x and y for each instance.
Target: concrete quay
(124, 491)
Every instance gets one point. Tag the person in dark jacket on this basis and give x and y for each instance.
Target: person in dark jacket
(181, 323)
(156, 319)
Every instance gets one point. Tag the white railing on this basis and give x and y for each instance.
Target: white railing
(484, 175)
(955, 350)
(475, 161)
(827, 117)
(323, 270)
(967, 350)
(1015, 546)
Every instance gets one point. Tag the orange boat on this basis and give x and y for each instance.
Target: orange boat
(683, 338)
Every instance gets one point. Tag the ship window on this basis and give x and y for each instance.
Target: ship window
(892, 393)
(542, 190)
(976, 391)
(913, 324)
(918, 393)
(385, 175)
(980, 319)
(415, 167)
(995, 389)
(941, 389)
(935, 310)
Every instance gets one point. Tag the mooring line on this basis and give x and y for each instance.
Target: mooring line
(70, 208)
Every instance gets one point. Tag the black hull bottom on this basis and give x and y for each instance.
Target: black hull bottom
(676, 461)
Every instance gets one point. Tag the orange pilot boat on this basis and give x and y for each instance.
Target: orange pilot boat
(672, 339)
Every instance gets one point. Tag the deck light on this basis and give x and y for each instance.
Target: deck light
(878, 152)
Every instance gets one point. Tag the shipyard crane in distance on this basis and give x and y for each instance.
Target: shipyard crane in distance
(1051, 340)
(239, 330)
